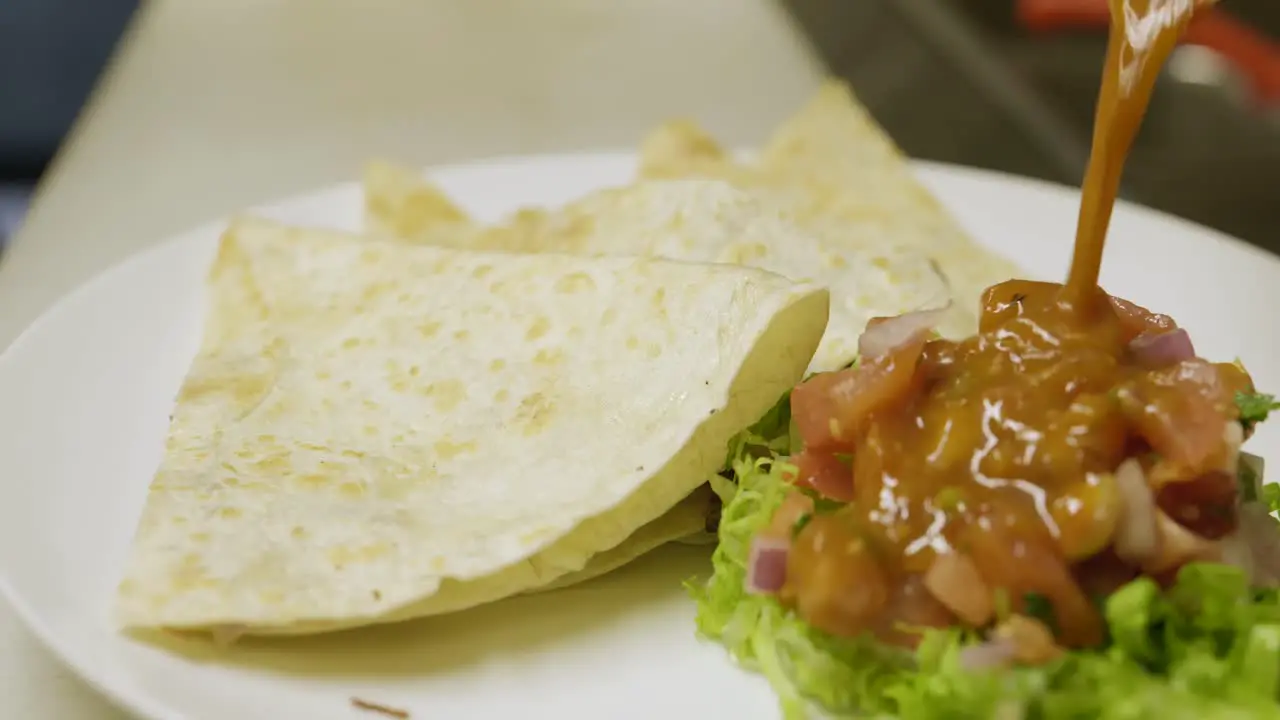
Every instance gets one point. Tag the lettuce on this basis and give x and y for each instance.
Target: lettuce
(1254, 408)
(1209, 647)
(802, 664)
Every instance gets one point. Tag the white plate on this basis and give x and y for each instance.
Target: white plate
(84, 399)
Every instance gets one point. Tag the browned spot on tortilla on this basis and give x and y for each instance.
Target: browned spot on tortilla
(541, 325)
(447, 450)
(575, 282)
(448, 394)
(243, 388)
(534, 413)
(548, 357)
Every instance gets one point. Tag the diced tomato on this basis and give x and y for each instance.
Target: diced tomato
(1205, 505)
(834, 577)
(1136, 319)
(825, 474)
(1181, 411)
(831, 408)
(1003, 301)
(1103, 574)
(815, 404)
(910, 608)
(1025, 563)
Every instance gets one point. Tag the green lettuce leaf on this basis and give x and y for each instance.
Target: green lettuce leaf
(1254, 408)
(1270, 496)
(803, 665)
(1209, 647)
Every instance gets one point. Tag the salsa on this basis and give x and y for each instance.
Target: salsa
(1008, 480)
(982, 475)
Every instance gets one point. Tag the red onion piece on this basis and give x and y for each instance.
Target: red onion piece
(767, 565)
(1135, 541)
(824, 473)
(990, 655)
(883, 335)
(1158, 349)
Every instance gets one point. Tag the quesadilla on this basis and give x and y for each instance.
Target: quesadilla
(839, 175)
(692, 220)
(873, 232)
(373, 431)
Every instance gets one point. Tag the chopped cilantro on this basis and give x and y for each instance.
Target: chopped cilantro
(800, 524)
(821, 503)
(1255, 407)
(1041, 608)
(1271, 497)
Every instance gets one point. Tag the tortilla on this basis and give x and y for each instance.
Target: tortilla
(838, 175)
(690, 220)
(400, 206)
(685, 523)
(373, 432)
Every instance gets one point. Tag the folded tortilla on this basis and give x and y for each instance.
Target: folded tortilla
(374, 431)
(830, 172)
(832, 200)
(840, 176)
(400, 206)
(692, 220)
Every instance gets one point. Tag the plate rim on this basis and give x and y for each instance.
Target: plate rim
(150, 708)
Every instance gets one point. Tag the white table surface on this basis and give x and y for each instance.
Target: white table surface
(210, 106)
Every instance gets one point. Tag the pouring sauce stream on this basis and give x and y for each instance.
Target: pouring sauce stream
(1143, 34)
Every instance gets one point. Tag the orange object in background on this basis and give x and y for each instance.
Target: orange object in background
(1255, 56)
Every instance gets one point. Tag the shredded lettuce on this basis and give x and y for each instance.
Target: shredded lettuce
(772, 435)
(1254, 408)
(1270, 496)
(1209, 647)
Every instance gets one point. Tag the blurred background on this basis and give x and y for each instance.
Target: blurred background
(51, 52)
(993, 83)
